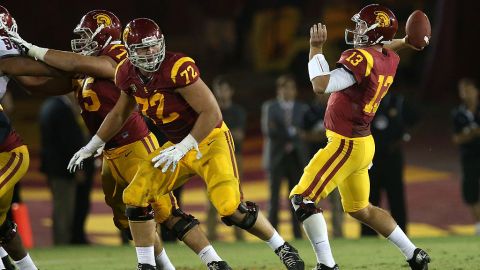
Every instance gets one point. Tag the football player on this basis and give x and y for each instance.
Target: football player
(97, 52)
(357, 86)
(168, 89)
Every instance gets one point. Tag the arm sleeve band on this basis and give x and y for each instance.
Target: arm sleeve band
(318, 66)
(340, 79)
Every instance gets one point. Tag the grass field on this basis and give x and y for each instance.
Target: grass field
(452, 253)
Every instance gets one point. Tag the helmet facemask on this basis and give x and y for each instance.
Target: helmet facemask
(358, 37)
(86, 44)
(4, 22)
(141, 54)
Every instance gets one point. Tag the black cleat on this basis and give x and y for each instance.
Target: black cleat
(290, 257)
(321, 266)
(420, 260)
(144, 266)
(8, 263)
(220, 265)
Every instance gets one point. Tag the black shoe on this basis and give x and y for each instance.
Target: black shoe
(144, 266)
(220, 265)
(420, 260)
(324, 267)
(290, 258)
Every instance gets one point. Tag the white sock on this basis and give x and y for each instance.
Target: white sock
(275, 241)
(400, 239)
(316, 229)
(145, 255)
(26, 263)
(477, 228)
(208, 255)
(163, 261)
(3, 253)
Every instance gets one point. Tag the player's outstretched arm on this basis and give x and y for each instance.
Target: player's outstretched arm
(45, 86)
(98, 67)
(111, 125)
(318, 68)
(398, 44)
(24, 66)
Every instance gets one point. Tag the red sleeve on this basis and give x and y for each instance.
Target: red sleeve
(117, 52)
(121, 77)
(184, 71)
(359, 63)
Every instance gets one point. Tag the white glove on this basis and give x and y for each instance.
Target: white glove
(32, 50)
(85, 152)
(173, 154)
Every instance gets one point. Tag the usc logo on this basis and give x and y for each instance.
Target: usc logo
(103, 18)
(382, 19)
(125, 34)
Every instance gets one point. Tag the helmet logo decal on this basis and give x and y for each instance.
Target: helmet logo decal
(125, 33)
(382, 19)
(103, 18)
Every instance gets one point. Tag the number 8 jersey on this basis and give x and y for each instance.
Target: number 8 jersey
(350, 111)
(157, 98)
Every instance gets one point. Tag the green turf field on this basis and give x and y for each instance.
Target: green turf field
(447, 253)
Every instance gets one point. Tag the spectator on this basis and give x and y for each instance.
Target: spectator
(389, 129)
(466, 120)
(285, 154)
(314, 135)
(61, 136)
(235, 117)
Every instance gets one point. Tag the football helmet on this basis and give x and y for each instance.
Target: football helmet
(374, 24)
(145, 43)
(97, 29)
(8, 21)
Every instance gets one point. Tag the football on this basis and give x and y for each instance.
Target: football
(418, 29)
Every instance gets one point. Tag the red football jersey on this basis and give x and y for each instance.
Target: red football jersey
(350, 111)
(97, 97)
(158, 98)
(12, 141)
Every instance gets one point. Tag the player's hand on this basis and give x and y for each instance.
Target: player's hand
(99, 151)
(78, 158)
(318, 35)
(408, 45)
(173, 154)
(15, 37)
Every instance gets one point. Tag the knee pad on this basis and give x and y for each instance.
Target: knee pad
(250, 209)
(184, 225)
(8, 231)
(304, 208)
(139, 213)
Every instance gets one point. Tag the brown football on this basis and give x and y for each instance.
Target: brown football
(418, 29)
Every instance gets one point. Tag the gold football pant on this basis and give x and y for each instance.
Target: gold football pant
(13, 166)
(217, 167)
(343, 163)
(127, 164)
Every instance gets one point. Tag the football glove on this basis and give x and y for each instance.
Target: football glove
(173, 154)
(30, 49)
(94, 145)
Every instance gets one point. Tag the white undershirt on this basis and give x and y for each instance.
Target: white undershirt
(340, 79)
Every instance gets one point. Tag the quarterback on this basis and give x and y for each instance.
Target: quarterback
(357, 86)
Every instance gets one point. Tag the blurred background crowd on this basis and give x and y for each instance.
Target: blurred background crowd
(253, 55)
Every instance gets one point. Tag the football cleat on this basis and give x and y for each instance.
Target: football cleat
(420, 260)
(290, 257)
(321, 266)
(220, 265)
(144, 266)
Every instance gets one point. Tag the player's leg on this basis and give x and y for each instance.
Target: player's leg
(354, 191)
(329, 167)
(186, 228)
(13, 166)
(219, 170)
